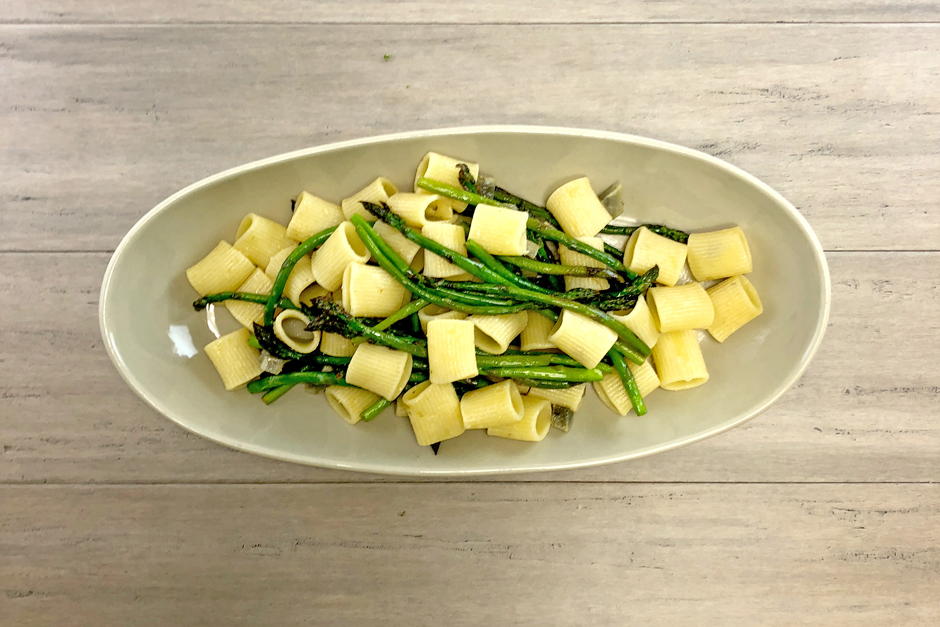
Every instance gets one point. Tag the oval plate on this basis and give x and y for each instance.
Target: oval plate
(145, 293)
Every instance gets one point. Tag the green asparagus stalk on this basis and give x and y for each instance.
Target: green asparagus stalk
(287, 267)
(328, 316)
(629, 382)
(674, 234)
(248, 297)
(272, 395)
(552, 268)
(562, 238)
(548, 373)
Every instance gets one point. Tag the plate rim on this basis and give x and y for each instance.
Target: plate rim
(394, 470)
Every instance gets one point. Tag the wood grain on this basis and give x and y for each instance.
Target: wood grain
(101, 123)
(861, 413)
(483, 11)
(485, 554)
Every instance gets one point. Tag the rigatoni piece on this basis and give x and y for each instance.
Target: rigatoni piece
(234, 359)
(442, 168)
(349, 402)
(371, 292)
(499, 231)
(222, 270)
(577, 209)
(646, 249)
(451, 353)
(379, 369)
(312, 292)
(451, 236)
(536, 332)
(496, 405)
(419, 209)
(679, 362)
(681, 307)
(249, 313)
(566, 397)
(433, 312)
(534, 425)
(434, 412)
(398, 242)
(301, 277)
(290, 327)
(311, 215)
(582, 338)
(494, 333)
(573, 258)
(719, 254)
(736, 303)
(335, 345)
(378, 191)
(640, 321)
(342, 248)
(611, 391)
(259, 239)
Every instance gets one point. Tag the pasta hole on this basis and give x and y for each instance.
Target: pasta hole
(244, 225)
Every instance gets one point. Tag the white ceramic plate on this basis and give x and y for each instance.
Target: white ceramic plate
(145, 293)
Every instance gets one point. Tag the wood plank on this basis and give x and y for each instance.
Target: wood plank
(484, 11)
(101, 123)
(471, 555)
(860, 414)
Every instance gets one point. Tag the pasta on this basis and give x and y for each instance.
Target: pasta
(290, 328)
(248, 314)
(680, 308)
(341, 249)
(335, 345)
(573, 258)
(349, 402)
(370, 291)
(577, 209)
(420, 209)
(399, 243)
(378, 191)
(234, 359)
(736, 303)
(566, 397)
(582, 338)
(451, 354)
(311, 215)
(536, 331)
(497, 405)
(434, 413)
(719, 254)
(222, 270)
(453, 237)
(259, 239)
(444, 169)
(640, 321)
(646, 249)
(499, 231)
(494, 333)
(611, 391)
(679, 360)
(534, 425)
(300, 278)
(433, 312)
(379, 369)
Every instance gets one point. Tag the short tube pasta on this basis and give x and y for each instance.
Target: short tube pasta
(442, 168)
(534, 425)
(536, 331)
(451, 353)
(335, 345)
(499, 231)
(719, 254)
(611, 391)
(452, 236)
(433, 312)
(371, 292)
(494, 333)
(234, 359)
(419, 209)
(398, 242)
(301, 277)
(378, 191)
(496, 405)
(434, 412)
(577, 209)
(582, 338)
(259, 239)
(566, 397)
(248, 314)
(681, 307)
(379, 369)
(349, 402)
(679, 360)
(646, 249)
(573, 258)
(736, 303)
(640, 321)
(222, 270)
(341, 249)
(311, 215)
(289, 327)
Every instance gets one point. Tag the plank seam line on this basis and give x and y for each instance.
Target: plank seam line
(446, 482)
(30, 251)
(197, 23)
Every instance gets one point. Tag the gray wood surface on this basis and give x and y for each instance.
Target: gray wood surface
(822, 511)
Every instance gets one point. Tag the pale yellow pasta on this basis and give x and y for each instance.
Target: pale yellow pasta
(222, 270)
(419, 209)
(679, 362)
(433, 312)
(312, 292)
(736, 303)
(405, 248)
(249, 313)
(494, 333)
(573, 258)
(379, 369)
(417, 264)
(335, 345)
(311, 215)
(441, 168)
(536, 331)
(349, 402)
(646, 249)
(681, 307)
(523, 389)
(451, 236)
(640, 321)
(582, 338)
(378, 191)
(371, 292)
(412, 393)
(496, 405)
(259, 239)
(342, 248)
(577, 209)
(301, 276)
(434, 413)
(499, 231)
(566, 397)
(400, 410)
(289, 327)
(534, 425)
(719, 254)
(234, 359)
(611, 391)
(451, 352)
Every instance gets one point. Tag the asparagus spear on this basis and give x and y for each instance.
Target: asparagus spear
(260, 299)
(674, 234)
(287, 267)
(328, 316)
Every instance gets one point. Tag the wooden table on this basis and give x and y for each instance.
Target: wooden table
(822, 511)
